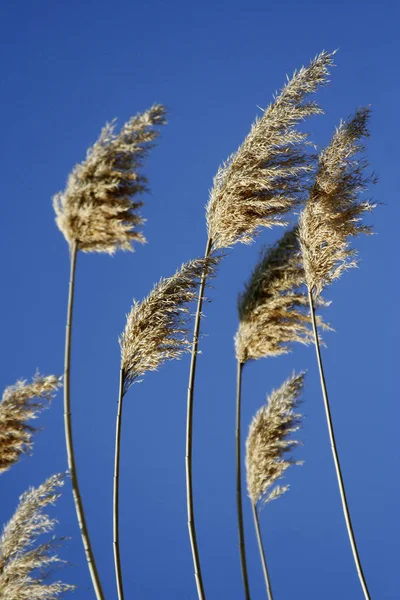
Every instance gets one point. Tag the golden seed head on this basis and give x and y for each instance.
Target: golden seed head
(157, 328)
(267, 444)
(21, 403)
(273, 309)
(263, 179)
(96, 210)
(333, 212)
(24, 565)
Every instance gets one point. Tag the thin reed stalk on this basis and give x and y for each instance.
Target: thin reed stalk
(242, 546)
(68, 432)
(189, 430)
(117, 559)
(335, 454)
(262, 552)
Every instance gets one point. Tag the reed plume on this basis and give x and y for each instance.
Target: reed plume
(262, 181)
(267, 451)
(24, 564)
(20, 404)
(331, 217)
(333, 212)
(156, 331)
(98, 212)
(273, 306)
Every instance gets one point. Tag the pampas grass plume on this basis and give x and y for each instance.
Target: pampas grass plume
(333, 211)
(273, 307)
(267, 444)
(157, 328)
(25, 566)
(21, 403)
(264, 178)
(96, 211)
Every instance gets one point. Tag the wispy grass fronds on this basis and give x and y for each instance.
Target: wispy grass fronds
(20, 404)
(24, 564)
(268, 446)
(264, 178)
(273, 306)
(157, 328)
(96, 211)
(333, 211)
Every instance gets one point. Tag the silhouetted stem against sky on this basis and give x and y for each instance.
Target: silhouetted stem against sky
(336, 455)
(68, 433)
(189, 432)
(242, 547)
(262, 552)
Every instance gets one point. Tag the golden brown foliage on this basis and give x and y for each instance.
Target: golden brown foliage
(21, 403)
(96, 209)
(24, 567)
(157, 328)
(273, 309)
(267, 444)
(333, 211)
(264, 178)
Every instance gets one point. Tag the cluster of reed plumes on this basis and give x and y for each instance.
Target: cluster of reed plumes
(272, 176)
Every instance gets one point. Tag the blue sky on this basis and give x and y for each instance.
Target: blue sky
(67, 68)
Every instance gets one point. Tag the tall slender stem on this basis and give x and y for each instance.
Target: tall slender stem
(242, 547)
(68, 434)
(335, 453)
(262, 553)
(189, 434)
(117, 559)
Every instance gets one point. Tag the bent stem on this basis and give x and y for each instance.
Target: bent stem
(117, 559)
(68, 433)
(335, 453)
(242, 547)
(262, 553)
(189, 433)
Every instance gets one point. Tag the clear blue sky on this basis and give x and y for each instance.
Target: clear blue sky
(67, 68)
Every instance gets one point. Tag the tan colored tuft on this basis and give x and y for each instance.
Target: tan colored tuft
(157, 328)
(21, 403)
(24, 566)
(263, 180)
(267, 445)
(273, 309)
(333, 212)
(96, 210)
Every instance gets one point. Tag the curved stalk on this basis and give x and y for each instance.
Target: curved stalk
(242, 547)
(189, 434)
(117, 559)
(68, 434)
(262, 553)
(335, 453)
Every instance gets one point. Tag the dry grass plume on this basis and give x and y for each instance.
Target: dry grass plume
(264, 178)
(333, 211)
(268, 445)
(25, 565)
(96, 210)
(157, 328)
(21, 403)
(273, 309)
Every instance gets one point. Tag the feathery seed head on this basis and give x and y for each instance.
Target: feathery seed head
(96, 210)
(273, 309)
(267, 445)
(25, 566)
(333, 211)
(157, 328)
(21, 403)
(264, 178)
